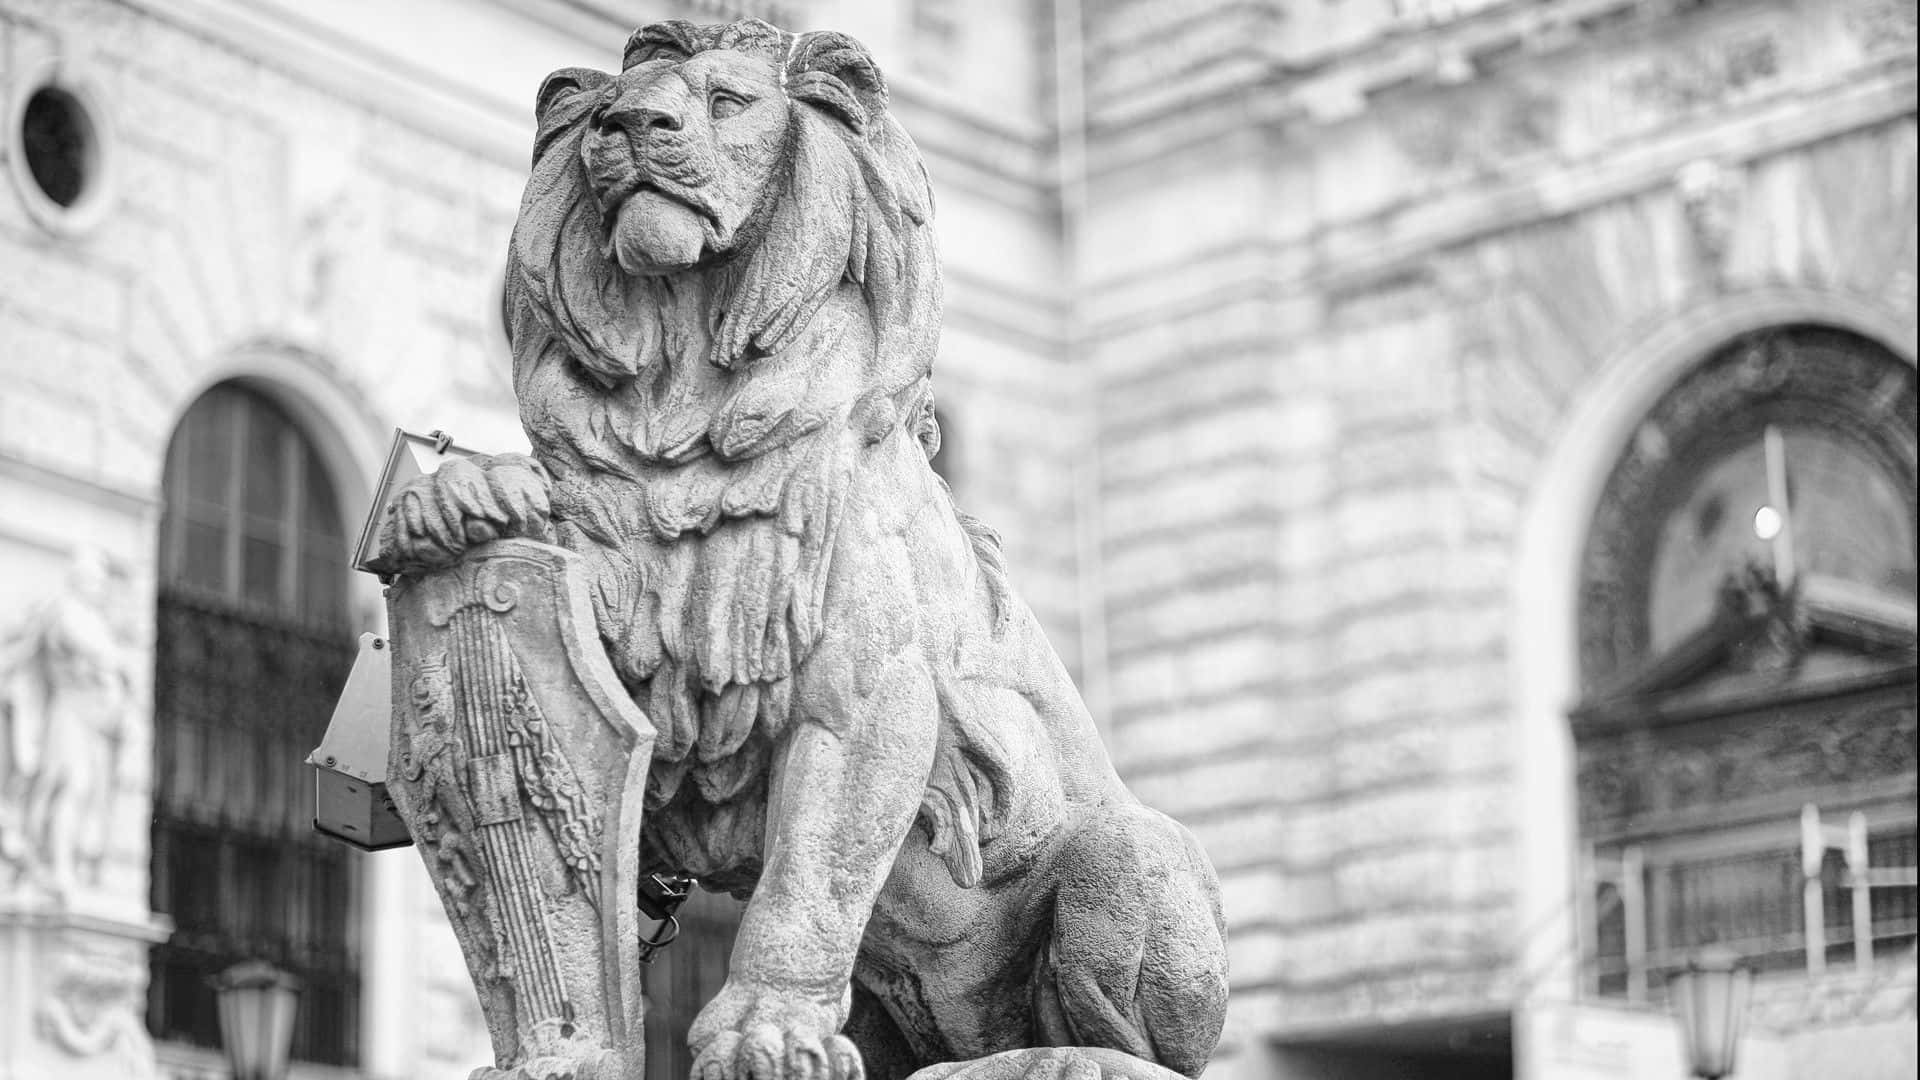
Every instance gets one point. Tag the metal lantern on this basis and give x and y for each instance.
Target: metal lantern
(1710, 1001)
(257, 1003)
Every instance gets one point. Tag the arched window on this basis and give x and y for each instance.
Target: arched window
(252, 648)
(1747, 651)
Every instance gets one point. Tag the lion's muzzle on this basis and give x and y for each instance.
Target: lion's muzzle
(645, 168)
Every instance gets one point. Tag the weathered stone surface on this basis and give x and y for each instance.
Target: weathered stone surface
(518, 763)
(724, 301)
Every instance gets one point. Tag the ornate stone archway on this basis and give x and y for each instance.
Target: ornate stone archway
(1543, 585)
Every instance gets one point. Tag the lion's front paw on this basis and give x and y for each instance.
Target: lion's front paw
(432, 520)
(746, 1034)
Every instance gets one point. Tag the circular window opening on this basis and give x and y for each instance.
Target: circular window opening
(60, 155)
(58, 139)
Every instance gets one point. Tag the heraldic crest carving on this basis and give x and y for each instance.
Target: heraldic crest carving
(724, 301)
(518, 762)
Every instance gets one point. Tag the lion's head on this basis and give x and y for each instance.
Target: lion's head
(761, 161)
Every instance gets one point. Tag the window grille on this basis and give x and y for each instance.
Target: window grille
(252, 647)
(1651, 908)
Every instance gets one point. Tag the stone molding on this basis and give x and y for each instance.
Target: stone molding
(1330, 84)
(84, 971)
(1353, 254)
(74, 77)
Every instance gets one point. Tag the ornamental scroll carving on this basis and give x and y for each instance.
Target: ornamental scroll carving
(1639, 777)
(92, 1006)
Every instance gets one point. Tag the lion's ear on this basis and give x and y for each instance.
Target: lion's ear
(835, 72)
(564, 97)
(673, 39)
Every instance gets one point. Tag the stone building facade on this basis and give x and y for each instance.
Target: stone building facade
(1310, 356)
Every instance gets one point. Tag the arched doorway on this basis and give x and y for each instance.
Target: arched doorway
(252, 645)
(1746, 650)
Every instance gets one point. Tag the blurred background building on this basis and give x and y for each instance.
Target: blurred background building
(1465, 449)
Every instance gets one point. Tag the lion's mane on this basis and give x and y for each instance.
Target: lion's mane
(875, 230)
(703, 470)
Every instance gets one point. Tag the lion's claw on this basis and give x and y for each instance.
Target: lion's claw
(432, 520)
(768, 1039)
(716, 1058)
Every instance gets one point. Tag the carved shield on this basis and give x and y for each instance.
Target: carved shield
(519, 764)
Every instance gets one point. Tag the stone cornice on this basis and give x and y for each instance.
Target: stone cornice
(1349, 255)
(1327, 84)
(1301, 93)
(104, 493)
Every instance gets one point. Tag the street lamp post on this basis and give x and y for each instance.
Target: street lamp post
(257, 1003)
(1710, 1001)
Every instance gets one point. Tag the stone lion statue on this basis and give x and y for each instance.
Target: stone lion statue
(724, 303)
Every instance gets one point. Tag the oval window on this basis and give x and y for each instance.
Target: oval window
(59, 155)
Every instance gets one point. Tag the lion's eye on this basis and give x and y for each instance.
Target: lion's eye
(723, 105)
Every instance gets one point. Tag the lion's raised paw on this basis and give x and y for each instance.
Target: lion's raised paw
(1051, 1063)
(431, 520)
(766, 1052)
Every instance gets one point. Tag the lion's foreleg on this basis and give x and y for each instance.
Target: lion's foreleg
(843, 796)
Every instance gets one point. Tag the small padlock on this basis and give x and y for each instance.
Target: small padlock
(659, 897)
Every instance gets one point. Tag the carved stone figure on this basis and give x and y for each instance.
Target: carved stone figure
(725, 303)
(517, 762)
(1709, 192)
(66, 700)
(93, 1010)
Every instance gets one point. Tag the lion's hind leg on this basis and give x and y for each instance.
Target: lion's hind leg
(1136, 961)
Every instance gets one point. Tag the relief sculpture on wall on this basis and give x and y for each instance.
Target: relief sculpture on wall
(71, 951)
(67, 702)
(726, 623)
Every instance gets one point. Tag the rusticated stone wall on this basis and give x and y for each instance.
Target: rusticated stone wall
(1338, 313)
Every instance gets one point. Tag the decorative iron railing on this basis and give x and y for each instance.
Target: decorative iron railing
(1841, 894)
(239, 700)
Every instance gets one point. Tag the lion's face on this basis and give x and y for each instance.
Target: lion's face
(681, 153)
(760, 164)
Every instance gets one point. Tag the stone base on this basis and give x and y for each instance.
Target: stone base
(75, 980)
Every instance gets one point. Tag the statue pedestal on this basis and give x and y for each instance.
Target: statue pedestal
(76, 982)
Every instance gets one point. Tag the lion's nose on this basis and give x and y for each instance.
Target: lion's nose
(638, 114)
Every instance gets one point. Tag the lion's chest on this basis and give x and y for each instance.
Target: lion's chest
(708, 585)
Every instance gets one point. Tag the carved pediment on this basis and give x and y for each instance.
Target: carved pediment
(1765, 646)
